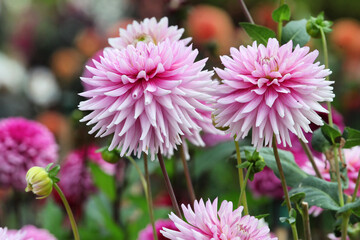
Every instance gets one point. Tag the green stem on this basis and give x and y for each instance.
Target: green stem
(246, 12)
(69, 212)
(284, 185)
(149, 197)
(338, 178)
(137, 168)
(326, 61)
(311, 158)
(242, 201)
(243, 187)
(356, 187)
(280, 25)
(187, 175)
(345, 221)
(306, 220)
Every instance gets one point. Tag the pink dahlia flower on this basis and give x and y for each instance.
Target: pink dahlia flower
(265, 183)
(75, 177)
(23, 144)
(207, 222)
(271, 90)
(149, 30)
(147, 233)
(7, 235)
(148, 96)
(30, 232)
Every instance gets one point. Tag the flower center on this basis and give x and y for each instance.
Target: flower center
(271, 62)
(145, 38)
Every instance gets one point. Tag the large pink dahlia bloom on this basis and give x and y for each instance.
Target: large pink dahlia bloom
(148, 30)
(148, 96)
(271, 90)
(207, 222)
(23, 144)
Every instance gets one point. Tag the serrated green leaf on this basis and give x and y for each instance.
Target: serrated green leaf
(295, 31)
(258, 33)
(330, 133)
(103, 181)
(352, 137)
(353, 206)
(282, 13)
(319, 141)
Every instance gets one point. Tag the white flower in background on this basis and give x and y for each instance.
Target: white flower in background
(43, 89)
(12, 74)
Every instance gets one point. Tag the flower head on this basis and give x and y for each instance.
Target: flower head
(148, 96)
(30, 232)
(6, 235)
(23, 144)
(271, 90)
(207, 222)
(148, 30)
(266, 183)
(39, 182)
(147, 233)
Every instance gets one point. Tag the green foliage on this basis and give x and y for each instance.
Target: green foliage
(282, 13)
(319, 141)
(352, 137)
(51, 217)
(103, 181)
(354, 207)
(53, 172)
(291, 219)
(258, 33)
(314, 26)
(332, 134)
(295, 31)
(297, 198)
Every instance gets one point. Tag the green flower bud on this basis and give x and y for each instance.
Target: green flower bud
(314, 26)
(39, 182)
(312, 29)
(110, 156)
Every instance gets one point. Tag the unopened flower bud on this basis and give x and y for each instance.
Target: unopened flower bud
(110, 156)
(39, 182)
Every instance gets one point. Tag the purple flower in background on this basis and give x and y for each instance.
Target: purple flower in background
(23, 144)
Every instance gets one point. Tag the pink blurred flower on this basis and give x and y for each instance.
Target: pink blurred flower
(147, 233)
(7, 235)
(207, 222)
(148, 96)
(23, 144)
(333, 237)
(271, 90)
(30, 232)
(265, 183)
(148, 30)
(211, 139)
(75, 178)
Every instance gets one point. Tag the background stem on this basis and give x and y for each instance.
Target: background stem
(306, 220)
(69, 212)
(311, 158)
(189, 184)
(168, 186)
(242, 201)
(246, 12)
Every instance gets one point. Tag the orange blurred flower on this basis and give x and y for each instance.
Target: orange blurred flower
(206, 24)
(89, 41)
(66, 63)
(54, 121)
(262, 15)
(346, 35)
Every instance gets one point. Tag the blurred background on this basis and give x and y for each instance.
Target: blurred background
(45, 44)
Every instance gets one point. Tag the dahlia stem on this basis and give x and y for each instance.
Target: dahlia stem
(243, 187)
(246, 12)
(243, 200)
(68, 211)
(149, 197)
(189, 184)
(168, 186)
(356, 187)
(338, 178)
(306, 220)
(137, 168)
(311, 158)
(326, 61)
(284, 185)
(280, 24)
(345, 221)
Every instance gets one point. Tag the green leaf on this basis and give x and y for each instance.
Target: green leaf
(103, 181)
(331, 133)
(295, 31)
(258, 33)
(262, 216)
(353, 206)
(243, 165)
(282, 13)
(297, 197)
(319, 142)
(51, 217)
(352, 137)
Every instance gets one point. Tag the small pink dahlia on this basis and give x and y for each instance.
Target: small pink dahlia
(23, 144)
(7, 235)
(147, 233)
(206, 222)
(272, 90)
(266, 183)
(148, 96)
(148, 30)
(75, 177)
(30, 232)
